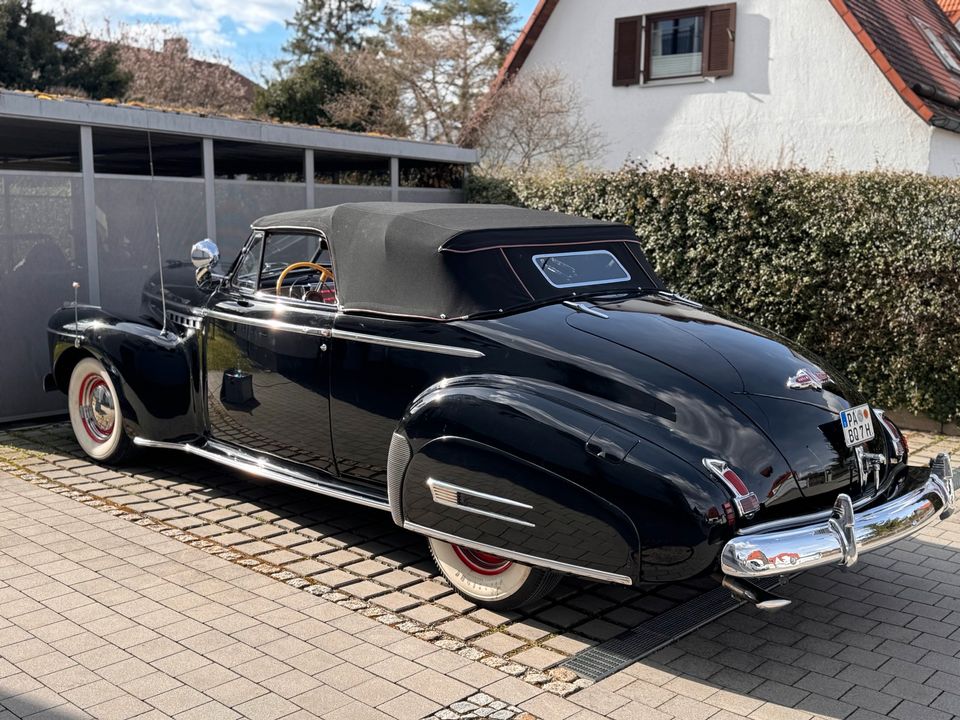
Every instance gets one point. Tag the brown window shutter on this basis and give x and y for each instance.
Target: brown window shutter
(626, 51)
(719, 35)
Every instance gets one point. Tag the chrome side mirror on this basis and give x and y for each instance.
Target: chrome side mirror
(205, 254)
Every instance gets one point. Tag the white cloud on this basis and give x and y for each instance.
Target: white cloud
(210, 25)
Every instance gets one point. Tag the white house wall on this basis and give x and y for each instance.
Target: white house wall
(804, 91)
(945, 153)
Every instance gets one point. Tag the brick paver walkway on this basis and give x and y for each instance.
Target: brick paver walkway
(101, 617)
(348, 553)
(104, 616)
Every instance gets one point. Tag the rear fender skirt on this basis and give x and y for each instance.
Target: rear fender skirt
(155, 373)
(456, 487)
(674, 525)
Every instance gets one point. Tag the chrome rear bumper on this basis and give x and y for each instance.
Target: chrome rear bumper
(840, 538)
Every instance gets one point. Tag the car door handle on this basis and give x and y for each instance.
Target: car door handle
(610, 444)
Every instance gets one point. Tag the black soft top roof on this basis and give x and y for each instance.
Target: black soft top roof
(446, 261)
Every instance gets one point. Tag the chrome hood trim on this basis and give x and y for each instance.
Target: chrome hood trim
(840, 538)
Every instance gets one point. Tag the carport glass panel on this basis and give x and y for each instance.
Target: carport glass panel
(239, 203)
(257, 162)
(427, 174)
(127, 152)
(28, 145)
(42, 251)
(337, 169)
(127, 235)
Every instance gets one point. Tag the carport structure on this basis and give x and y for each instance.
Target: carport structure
(77, 203)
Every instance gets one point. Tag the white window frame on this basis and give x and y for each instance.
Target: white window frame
(938, 43)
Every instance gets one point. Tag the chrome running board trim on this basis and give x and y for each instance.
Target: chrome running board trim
(520, 557)
(407, 344)
(225, 455)
(449, 496)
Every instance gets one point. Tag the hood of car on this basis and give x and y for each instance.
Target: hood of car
(181, 291)
(792, 396)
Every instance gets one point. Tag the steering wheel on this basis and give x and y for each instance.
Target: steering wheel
(324, 273)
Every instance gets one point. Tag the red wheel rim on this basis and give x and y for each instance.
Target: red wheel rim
(95, 406)
(482, 562)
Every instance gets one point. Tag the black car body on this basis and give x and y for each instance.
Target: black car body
(517, 385)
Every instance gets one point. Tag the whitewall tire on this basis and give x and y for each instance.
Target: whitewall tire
(488, 580)
(95, 413)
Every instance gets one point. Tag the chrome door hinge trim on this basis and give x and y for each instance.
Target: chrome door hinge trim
(407, 344)
(237, 460)
(449, 495)
(521, 557)
(676, 297)
(586, 308)
(269, 324)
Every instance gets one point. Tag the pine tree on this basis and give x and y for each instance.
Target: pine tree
(35, 54)
(327, 25)
(493, 18)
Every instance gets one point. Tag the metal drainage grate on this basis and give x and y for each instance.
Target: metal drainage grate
(598, 662)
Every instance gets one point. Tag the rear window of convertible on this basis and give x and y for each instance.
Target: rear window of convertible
(576, 269)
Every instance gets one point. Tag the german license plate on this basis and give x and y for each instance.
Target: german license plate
(857, 425)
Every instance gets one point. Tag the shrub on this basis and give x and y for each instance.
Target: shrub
(861, 268)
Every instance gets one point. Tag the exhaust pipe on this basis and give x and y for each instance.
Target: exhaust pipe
(746, 591)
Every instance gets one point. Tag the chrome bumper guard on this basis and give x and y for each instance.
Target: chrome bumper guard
(840, 538)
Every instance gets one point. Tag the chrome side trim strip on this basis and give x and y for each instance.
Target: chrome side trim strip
(345, 335)
(269, 324)
(238, 461)
(476, 493)
(520, 557)
(407, 344)
(449, 495)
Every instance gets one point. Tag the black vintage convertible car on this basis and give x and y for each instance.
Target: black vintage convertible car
(517, 386)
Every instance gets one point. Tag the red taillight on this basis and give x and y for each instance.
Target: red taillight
(734, 481)
(899, 440)
(745, 501)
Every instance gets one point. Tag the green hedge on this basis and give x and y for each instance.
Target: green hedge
(861, 268)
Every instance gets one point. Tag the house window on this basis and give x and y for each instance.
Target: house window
(676, 46)
(683, 44)
(938, 43)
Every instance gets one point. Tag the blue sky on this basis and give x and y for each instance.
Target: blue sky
(249, 34)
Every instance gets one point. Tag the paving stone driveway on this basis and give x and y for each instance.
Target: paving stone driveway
(881, 640)
(344, 551)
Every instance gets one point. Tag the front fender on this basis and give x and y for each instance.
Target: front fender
(156, 374)
(596, 491)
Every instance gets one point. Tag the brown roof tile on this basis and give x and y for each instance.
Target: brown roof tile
(951, 8)
(904, 55)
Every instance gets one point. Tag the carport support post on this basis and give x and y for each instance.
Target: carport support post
(394, 179)
(308, 178)
(209, 190)
(90, 215)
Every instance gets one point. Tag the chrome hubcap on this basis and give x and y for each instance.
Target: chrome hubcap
(97, 410)
(482, 562)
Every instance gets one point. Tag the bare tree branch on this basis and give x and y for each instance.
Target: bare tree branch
(536, 122)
